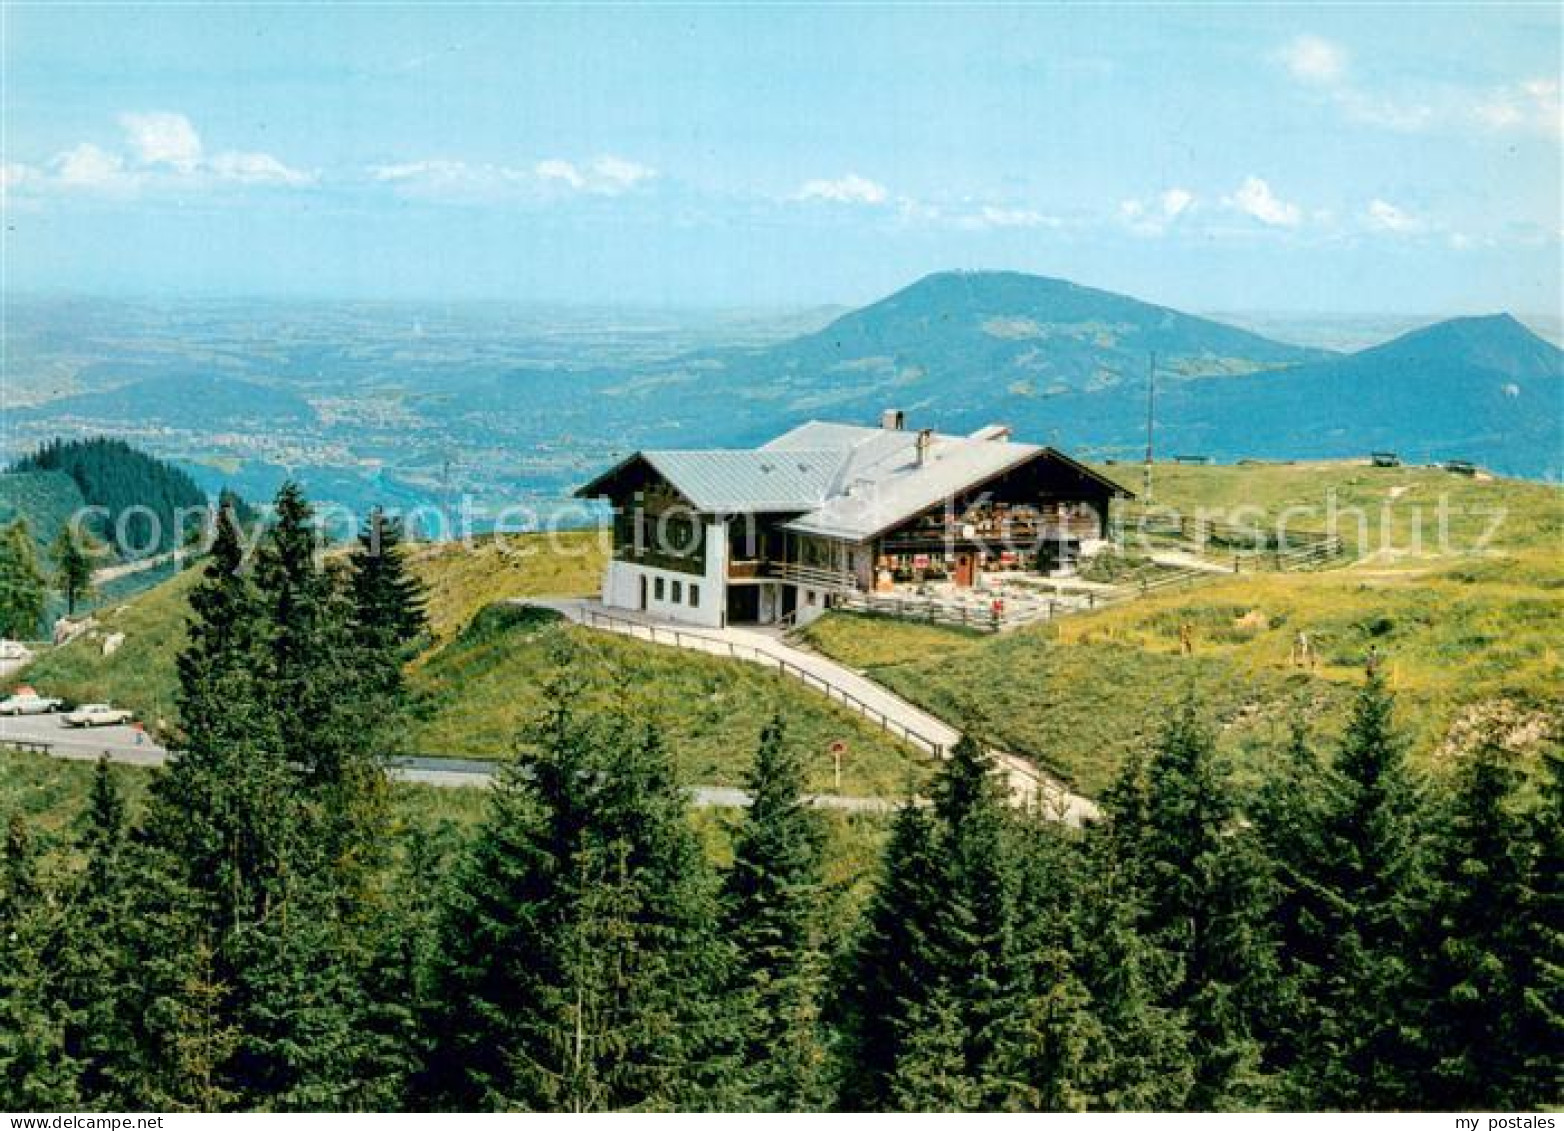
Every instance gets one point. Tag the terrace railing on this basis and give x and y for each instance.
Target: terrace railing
(816, 577)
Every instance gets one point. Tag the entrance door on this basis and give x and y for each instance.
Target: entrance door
(789, 600)
(743, 604)
(966, 570)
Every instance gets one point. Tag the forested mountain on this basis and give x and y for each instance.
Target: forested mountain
(963, 348)
(142, 497)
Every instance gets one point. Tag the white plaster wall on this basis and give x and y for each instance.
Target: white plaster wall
(622, 586)
(806, 611)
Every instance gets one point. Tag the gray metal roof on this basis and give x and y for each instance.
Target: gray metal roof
(749, 481)
(882, 481)
(845, 481)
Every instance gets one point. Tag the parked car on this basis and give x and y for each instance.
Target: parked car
(98, 715)
(26, 701)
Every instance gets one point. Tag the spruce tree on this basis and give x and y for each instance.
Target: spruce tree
(1543, 1033)
(336, 720)
(944, 916)
(1049, 1033)
(93, 976)
(1207, 903)
(23, 588)
(253, 926)
(36, 1074)
(1292, 815)
(1138, 1056)
(1370, 871)
(223, 813)
(213, 850)
(72, 566)
(771, 916)
(1471, 986)
(304, 981)
(974, 936)
(578, 966)
(892, 966)
(932, 1072)
(388, 601)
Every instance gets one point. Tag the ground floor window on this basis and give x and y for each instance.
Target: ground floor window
(678, 592)
(658, 589)
(695, 595)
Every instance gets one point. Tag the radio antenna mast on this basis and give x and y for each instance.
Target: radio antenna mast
(1151, 396)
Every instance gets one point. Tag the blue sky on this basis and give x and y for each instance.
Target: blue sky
(1307, 158)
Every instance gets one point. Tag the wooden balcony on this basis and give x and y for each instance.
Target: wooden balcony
(815, 577)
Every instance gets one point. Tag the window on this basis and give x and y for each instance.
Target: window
(657, 589)
(678, 592)
(695, 594)
(809, 596)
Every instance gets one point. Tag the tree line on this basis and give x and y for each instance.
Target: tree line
(147, 507)
(142, 497)
(1351, 935)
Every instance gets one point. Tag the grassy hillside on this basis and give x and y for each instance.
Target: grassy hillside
(484, 686)
(461, 580)
(480, 678)
(1470, 640)
(140, 672)
(1377, 510)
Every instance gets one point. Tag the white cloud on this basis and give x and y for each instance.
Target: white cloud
(1255, 198)
(1386, 217)
(605, 176)
(452, 180)
(617, 174)
(162, 138)
(990, 216)
(87, 166)
(1152, 217)
(1175, 201)
(161, 150)
(1532, 105)
(438, 169)
(851, 189)
(1313, 59)
(556, 170)
(257, 169)
(456, 180)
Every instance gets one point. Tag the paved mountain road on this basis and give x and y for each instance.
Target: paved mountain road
(125, 744)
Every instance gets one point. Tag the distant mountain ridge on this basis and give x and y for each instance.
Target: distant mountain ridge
(1483, 389)
(1016, 338)
(1067, 364)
